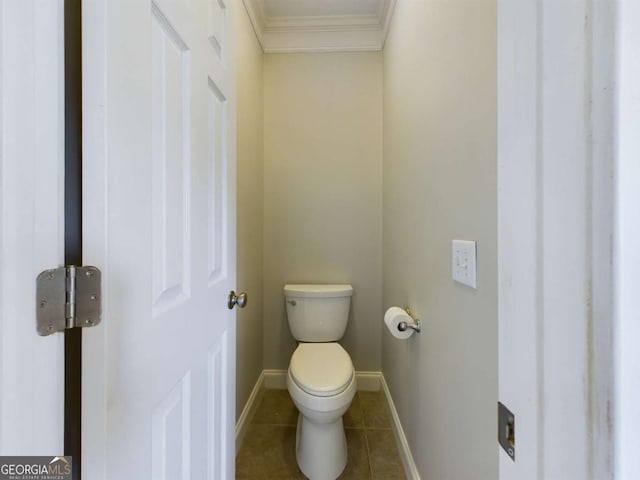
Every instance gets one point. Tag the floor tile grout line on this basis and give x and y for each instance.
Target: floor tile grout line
(366, 440)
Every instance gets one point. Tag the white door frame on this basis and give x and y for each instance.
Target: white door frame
(555, 201)
(627, 242)
(31, 222)
(94, 145)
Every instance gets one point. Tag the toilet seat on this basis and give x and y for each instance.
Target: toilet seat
(321, 369)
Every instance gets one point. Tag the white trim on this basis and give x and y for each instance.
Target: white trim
(518, 211)
(256, 17)
(327, 22)
(388, 15)
(327, 49)
(277, 380)
(318, 34)
(95, 170)
(369, 381)
(249, 411)
(31, 222)
(626, 241)
(410, 468)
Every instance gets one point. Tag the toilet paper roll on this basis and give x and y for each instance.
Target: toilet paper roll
(392, 319)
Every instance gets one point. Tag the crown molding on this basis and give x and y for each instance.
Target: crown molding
(327, 33)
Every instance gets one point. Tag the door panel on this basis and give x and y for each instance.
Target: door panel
(171, 135)
(217, 26)
(217, 121)
(171, 433)
(218, 407)
(161, 100)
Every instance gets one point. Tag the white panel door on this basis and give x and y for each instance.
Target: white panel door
(159, 220)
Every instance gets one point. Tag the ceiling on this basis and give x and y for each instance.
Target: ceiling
(320, 25)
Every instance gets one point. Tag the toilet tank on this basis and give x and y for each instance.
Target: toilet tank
(317, 313)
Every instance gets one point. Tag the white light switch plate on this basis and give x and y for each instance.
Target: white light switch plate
(463, 262)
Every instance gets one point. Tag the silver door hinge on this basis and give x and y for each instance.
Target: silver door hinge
(68, 297)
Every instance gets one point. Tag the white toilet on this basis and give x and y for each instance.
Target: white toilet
(321, 378)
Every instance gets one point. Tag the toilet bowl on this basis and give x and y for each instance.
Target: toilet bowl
(322, 383)
(321, 378)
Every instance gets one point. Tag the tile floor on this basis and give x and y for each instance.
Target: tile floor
(268, 450)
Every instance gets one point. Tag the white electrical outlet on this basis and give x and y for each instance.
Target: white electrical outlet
(463, 262)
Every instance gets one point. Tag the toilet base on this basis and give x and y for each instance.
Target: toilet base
(321, 448)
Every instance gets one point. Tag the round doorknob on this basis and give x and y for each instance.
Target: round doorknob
(240, 300)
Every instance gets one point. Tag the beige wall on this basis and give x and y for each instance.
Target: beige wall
(323, 192)
(440, 184)
(249, 207)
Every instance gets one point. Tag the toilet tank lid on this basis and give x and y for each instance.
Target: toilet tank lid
(309, 290)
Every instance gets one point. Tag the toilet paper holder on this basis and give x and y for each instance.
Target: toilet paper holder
(416, 326)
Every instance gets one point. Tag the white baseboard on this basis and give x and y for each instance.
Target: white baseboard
(277, 380)
(367, 382)
(249, 410)
(403, 445)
